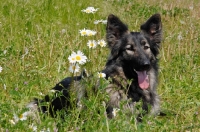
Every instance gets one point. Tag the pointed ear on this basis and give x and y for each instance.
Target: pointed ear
(153, 28)
(115, 30)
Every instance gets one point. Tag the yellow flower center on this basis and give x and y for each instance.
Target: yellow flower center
(88, 11)
(20, 116)
(84, 32)
(92, 45)
(78, 58)
(100, 75)
(73, 59)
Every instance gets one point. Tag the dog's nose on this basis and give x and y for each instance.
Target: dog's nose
(146, 65)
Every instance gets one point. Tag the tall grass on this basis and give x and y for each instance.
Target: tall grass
(37, 36)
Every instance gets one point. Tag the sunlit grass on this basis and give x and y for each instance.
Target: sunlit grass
(37, 37)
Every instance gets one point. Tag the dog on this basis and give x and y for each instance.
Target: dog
(132, 68)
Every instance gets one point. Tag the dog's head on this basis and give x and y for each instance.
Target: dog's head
(137, 49)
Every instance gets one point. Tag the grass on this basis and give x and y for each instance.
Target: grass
(37, 36)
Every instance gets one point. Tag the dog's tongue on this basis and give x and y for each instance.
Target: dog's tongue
(143, 79)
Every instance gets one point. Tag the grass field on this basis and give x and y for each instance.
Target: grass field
(37, 37)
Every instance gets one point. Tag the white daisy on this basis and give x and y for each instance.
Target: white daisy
(21, 117)
(114, 112)
(89, 10)
(100, 21)
(83, 32)
(92, 44)
(104, 21)
(74, 68)
(77, 57)
(80, 57)
(87, 32)
(1, 69)
(101, 75)
(96, 21)
(24, 116)
(72, 58)
(91, 33)
(102, 43)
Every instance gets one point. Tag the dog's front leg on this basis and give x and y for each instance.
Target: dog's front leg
(152, 99)
(149, 99)
(155, 103)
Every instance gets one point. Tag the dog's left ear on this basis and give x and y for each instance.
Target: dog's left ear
(115, 29)
(152, 28)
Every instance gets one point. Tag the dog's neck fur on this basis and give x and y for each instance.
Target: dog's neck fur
(120, 73)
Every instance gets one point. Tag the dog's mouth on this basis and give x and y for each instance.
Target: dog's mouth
(143, 79)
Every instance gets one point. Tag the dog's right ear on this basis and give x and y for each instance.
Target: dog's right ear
(115, 30)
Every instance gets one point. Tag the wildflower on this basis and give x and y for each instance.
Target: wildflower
(100, 21)
(33, 128)
(74, 68)
(87, 32)
(83, 32)
(21, 117)
(101, 75)
(96, 21)
(91, 33)
(24, 116)
(80, 57)
(102, 43)
(77, 57)
(114, 112)
(92, 44)
(104, 21)
(1, 69)
(89, 10)
(72, 57)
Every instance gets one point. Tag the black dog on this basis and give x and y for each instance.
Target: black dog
(133, 57)
(132, 67)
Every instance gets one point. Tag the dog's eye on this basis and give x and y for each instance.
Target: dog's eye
(129, 47)
(143, 42)
(146, 47)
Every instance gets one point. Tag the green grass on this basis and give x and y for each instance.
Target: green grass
(37, 25)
